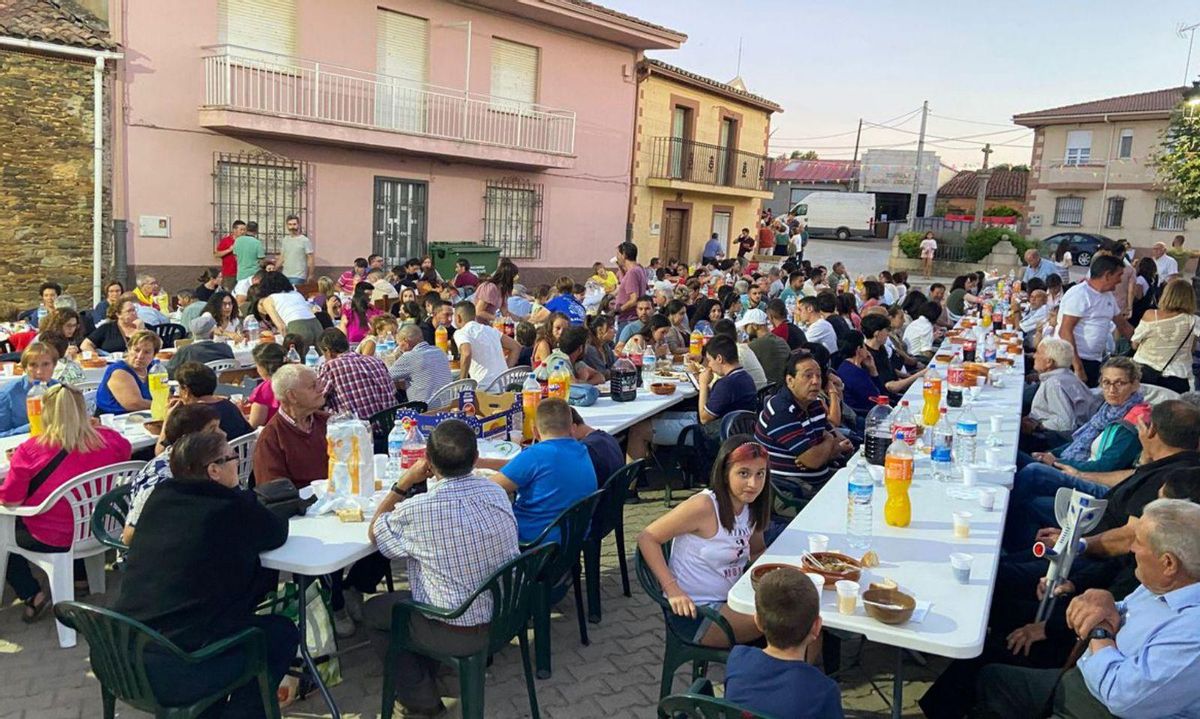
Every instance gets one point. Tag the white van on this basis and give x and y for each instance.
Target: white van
(841, 214)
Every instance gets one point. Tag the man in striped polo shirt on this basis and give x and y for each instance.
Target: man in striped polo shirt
(802, 446)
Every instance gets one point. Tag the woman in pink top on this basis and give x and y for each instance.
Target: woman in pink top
(70, 441)
(267, 359)
(356, 320)
(491, 297)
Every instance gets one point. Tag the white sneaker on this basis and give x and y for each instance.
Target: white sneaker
(354, 604)
(343, 625)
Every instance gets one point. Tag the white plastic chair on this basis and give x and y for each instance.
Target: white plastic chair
(81, 494)
(512, 375)
(220, 365)
(243, 447)
(89, 400)
(450, 392)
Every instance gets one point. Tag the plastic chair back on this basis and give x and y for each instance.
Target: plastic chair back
(698, 706)
(739, 422)
(511, 588)
(243, 447)
(610, 508)
(219, 365)
(572, 526)
(168, 333)
(509, 377)
(109, 518)
(767, 393)
(83, 494)
(450, 392)
(89, 399)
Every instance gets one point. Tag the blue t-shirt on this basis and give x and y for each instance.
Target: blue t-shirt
(860, 387)
(756, 681)
(628, 330)
(732, 392)
(106, 403)
(550, 476)
(605, 451)
(569, 306)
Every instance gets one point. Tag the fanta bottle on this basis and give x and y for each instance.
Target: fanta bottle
(531, 394)
(897, 478)
(441, 337)
(560, 383)
(695, 343)
(33, 407)
(932, 391)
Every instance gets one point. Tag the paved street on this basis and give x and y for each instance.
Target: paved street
(616, 677)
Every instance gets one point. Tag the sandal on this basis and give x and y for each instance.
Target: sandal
(35, 610)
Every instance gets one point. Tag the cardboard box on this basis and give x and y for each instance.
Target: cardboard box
(493, 417)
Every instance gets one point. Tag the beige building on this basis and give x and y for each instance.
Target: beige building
(1091, 171)
(699, 163)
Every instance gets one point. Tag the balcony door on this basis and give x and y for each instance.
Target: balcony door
(727, 141)
(399, 224)
(681, 132)
(402, 61)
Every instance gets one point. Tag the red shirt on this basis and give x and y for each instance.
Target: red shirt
(228, 262)
(780, 330)
(766, 237)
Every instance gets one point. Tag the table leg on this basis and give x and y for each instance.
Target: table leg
(898, 685)
(303, 582)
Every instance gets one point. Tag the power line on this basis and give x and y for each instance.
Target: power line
(968, 138)
(973, 122)
(886, 123)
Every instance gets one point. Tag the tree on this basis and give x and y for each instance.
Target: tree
(810, 155)
(1178, 159)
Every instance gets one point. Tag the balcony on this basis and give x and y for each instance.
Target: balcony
(253, 92)
(1096, 174)
(679, 164)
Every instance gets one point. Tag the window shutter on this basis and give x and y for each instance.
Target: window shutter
(1079, 147)
(402, 46)
(267, 25)
(514, 71)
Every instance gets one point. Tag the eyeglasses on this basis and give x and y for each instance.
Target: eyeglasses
(1114, 384)
(226, 459)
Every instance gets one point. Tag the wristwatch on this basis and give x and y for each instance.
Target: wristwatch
(1100, 633)
(398, 490)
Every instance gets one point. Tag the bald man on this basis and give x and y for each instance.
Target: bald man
(1168, 268)
(1036, 315)
(1035, 267)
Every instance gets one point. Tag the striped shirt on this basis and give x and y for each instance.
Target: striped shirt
(788, 430)
(426, 370)
(453, 536)
(358, 383)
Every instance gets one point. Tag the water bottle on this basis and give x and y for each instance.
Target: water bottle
(293, 357)
(965, 431)
(311, 358)
(878, 431)
(859, 512)
(648, 362)
(395, 443)
(250, 329)
(942, 456)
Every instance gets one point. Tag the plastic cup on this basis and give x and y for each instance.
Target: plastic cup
(876, 474)
(997, 423)
(818, 543)
(960, 564)
(107, 420)
(381, 467)
(8, 369)
(987, 498)
(86, 354)
(970, 476)
(847, 596)
(993, 456)
(818, 582)
(962, 525)
(236, 398)
(117, 356)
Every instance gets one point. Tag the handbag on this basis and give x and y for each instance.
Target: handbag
(1155, 376)
(281, 497)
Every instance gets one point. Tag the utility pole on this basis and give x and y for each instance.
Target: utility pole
(916, 186)
(857, 138)
(1191, 36)
(981, 193)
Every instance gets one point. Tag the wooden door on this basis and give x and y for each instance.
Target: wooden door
(674, 234)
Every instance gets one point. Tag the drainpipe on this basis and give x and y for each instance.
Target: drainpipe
(98, 56)
(1107, 165)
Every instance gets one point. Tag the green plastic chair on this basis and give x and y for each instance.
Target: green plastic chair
(117, 646)
(512, 587)
(564, 563)
(108, 518)
(680, 649)
(608, 518)
(699, 703)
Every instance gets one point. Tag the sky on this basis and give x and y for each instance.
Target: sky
(832, 62)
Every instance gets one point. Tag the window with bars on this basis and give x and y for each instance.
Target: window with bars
(1114, 212)
(263, 188)
(512, 218)
(1167, 215)
(1068, 211)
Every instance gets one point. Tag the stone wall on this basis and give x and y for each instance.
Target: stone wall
(46, 178)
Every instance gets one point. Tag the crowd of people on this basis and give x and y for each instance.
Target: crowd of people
(808, 350)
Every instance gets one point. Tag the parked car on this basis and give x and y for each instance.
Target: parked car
(839, 214)
(1082, 245)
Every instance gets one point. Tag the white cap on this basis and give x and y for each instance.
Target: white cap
(752, 317)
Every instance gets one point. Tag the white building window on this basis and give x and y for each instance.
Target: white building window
(1079, 147)
(1167, 216)
(402, 57)
(1068, 211)
(268, 26)
(1114, 212)
(512, 217)
(1125, 144)
(514, 72)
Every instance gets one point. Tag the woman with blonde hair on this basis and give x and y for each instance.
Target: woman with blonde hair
(37, 365)
(125, 386)
(68, 446)
(380, 326)
(1165, 337)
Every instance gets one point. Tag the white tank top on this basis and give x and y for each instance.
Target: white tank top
(292, 307)
(706, 569)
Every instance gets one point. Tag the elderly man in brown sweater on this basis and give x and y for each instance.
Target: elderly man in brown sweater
(292, 444)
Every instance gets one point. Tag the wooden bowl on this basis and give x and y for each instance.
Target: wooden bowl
(763, 570)
(831, 577)
(889, 596)
(663, 388)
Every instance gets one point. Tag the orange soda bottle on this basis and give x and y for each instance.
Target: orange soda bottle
(932, 391)
(897, 478)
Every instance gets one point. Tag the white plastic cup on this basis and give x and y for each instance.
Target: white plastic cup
(970, 476)
(960, 564)
(108, 420)
(818, 582)
(993, 456)
(86, 354)
(117, 356)
(962, 525)
(987, 498)
(818, 543)
(997, 422)
(381, 466)
(236, 398)
(9, 369)
(847, 596)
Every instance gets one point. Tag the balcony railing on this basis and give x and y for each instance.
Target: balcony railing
(260, 82)
(675, 158)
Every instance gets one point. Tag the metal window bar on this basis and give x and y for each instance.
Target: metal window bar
(1116, 212)
(512, 217)
(1068, 211)
(1167, 216)
(260, 187)
(675, 158)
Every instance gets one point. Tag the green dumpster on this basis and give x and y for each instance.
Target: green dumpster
(445, 255)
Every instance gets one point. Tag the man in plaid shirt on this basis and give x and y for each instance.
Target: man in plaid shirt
(454, 536)
(357, 383)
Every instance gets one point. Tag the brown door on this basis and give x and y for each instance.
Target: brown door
(673, 234)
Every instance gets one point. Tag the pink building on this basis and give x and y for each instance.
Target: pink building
(385, 125)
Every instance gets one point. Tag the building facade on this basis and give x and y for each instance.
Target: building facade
(1091, 169)
(384, 125)
(1005, 188)
(790, 180)
(699, 164)
(888, 174)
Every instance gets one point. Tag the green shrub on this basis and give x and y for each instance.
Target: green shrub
(910, 243)
(980, 241)
(1001, 211)
(1022, 245)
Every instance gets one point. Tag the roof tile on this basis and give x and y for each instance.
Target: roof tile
(62, 22)
(623, 16)
(1004, 185)
(1153, 101)
(723, 88)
